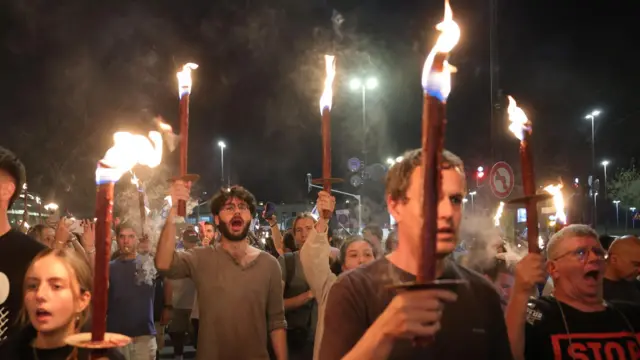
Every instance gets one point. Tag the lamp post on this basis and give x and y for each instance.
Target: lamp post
(617, 202)
(222, 145)
(633, 217)
(473, 206)
(364, 85)
(592, 116)
(606, 213)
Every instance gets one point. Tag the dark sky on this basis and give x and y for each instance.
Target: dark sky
(76, 71)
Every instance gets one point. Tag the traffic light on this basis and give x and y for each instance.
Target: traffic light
(480, 177)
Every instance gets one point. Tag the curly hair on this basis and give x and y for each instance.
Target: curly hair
(399, 176)
(226, 193)
(12, 166)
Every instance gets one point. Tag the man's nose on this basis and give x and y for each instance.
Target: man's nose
(445, 208)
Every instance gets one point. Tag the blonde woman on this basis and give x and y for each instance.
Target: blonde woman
(57, 296)
(315, 254)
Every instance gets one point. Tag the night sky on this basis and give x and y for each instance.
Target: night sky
(76, 71)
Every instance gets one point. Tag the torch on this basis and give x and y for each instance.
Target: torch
(141, 203)
(436, 83)
(128, 150)
(184, 90)
(558, 203)
(325, 110)
(521, 127)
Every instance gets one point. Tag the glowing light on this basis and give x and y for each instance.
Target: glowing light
(519, 122)
(540, 242)
(498, 216)
(327, 95)
(51, 207)
(128, 151)
(558, 202)
(184, 78)
(390, 161)
(438, 84)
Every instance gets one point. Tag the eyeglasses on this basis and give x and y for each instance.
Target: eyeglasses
(235, 208)
(582, 253)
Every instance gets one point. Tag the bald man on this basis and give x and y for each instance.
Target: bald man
(623, 265)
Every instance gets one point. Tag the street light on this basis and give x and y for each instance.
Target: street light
(592, 116)
(617, 202)
(473, 207)
(606, 213)
(222, 145)
(364, 85)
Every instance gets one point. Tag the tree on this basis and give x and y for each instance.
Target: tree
(625, 186)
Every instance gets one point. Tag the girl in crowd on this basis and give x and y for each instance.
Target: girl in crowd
(314, 256)
(57, 294)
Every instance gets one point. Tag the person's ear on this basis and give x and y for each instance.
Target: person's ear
(83, 301)
(395, 208)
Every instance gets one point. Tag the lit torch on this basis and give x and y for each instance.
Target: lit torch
(436, 83)
(141, 203)
(325, 110)
(128, 151)
(521, 127)
(558, 203)
(184, 89)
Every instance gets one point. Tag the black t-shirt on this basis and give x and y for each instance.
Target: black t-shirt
(16, 252)
(622, 290)
(472, 328)
(19, 347)
(602, 335)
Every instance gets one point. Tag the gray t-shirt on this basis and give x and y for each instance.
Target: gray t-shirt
(243, 304)
(305, 316)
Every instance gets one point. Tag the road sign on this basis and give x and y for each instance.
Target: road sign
(501, 179)
(354, 164)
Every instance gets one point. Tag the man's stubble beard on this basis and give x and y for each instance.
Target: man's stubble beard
(226, 233)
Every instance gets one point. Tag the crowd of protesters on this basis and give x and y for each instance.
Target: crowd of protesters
(306, 294)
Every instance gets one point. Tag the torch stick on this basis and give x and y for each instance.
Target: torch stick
(528, 183)
(184, 88)
(433, 127)
(325, 110)
(104, 218)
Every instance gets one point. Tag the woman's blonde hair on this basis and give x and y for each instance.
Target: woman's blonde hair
(79, 272)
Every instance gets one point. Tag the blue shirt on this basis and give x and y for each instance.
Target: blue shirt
(131, 295)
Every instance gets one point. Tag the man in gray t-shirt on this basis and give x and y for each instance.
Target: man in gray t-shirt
(238, 286)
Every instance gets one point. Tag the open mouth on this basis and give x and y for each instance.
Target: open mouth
(42, 314)
(236, 224)
(445, 233)
(592, 275)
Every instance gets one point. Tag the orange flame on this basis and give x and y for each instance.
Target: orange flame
(519, 122)
(184, 79)
(440, 82)
(327, 95)
(558, 201)
(128, 151)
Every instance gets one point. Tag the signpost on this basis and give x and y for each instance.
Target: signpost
(501, 179)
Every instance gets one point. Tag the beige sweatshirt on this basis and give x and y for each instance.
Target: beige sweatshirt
(314, 257)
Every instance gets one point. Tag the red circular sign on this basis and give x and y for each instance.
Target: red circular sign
(501, 179)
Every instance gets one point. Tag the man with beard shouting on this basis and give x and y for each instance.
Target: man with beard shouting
(239, 286)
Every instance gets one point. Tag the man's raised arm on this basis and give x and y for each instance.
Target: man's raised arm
(167, 243)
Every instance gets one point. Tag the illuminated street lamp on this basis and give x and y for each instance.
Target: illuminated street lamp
(617, 202)
(473, 207)
(364, 85)
(222, 145)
